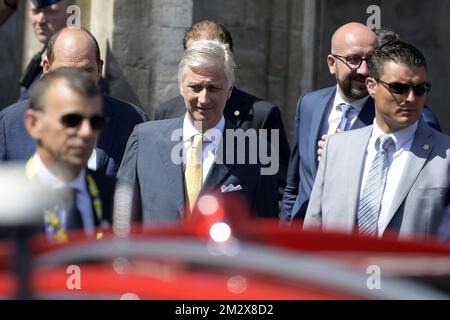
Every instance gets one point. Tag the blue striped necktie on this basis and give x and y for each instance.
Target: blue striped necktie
(370, 202)
(344, 124)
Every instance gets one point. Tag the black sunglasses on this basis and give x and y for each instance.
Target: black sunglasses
(402, 88)
(353, 61)
(72, 120)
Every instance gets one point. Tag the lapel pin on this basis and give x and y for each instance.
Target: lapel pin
(237, 113)
(426, 146)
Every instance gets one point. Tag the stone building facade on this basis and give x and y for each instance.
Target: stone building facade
(280, 45)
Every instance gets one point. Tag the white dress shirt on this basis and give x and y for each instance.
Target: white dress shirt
(83, 199)
(331, 122)
(398, 155)
(209, 147)
(92, 162)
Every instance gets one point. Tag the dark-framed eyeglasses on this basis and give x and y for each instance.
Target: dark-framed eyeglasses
(352, 61)
(403, 88)
(73, 120)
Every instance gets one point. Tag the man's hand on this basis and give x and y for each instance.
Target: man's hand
(321, 144)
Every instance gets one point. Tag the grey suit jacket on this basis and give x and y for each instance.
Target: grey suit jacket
(158, 180)
(418, 203)
(312, 108)
(244, 111)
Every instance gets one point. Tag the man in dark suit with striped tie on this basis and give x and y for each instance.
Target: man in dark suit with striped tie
(388, 179)
(342, 107)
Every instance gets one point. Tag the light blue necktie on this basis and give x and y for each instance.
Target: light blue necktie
(344, 124)
(370, 202)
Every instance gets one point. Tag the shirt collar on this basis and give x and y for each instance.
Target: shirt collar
(46, 177)
(357, 104)
(213, 135)
(400, 137)
(80, 182)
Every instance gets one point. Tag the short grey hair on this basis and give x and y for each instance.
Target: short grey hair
(207, 53)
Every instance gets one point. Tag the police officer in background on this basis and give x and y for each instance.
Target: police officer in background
(74, 48)
(47, 17)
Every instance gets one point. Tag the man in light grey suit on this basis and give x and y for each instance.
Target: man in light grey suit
(159, 158)
(389, 178)
(320, 113)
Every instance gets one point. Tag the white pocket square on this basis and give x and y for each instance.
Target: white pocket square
(230, 188)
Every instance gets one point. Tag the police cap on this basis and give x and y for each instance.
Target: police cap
(39, 4)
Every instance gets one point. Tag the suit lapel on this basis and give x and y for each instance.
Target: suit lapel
(366, 116)
(418, 155)
(174, 171)
(318, 113)
(220, 169)
(236, 110)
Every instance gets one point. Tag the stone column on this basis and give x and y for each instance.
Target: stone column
(101, 24)
(271, 44)
(145, 50)
(10, 37)
(292, 55)
(248, 23)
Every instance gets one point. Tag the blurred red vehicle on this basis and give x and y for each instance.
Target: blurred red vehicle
(265, 263)
(222, 254)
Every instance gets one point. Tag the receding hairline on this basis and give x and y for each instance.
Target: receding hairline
(55, 86)
(352, 28)
(75, 80)
(56, 38)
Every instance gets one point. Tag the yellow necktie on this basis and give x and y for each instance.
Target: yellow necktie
(194, 171)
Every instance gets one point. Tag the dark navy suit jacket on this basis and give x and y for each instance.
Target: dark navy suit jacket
(311, 109)
(244, 111)
(16, 143)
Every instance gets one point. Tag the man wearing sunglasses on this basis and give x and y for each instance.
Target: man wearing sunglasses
(75, 48)
(391, 178)
(65, 117)
(321, 113)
